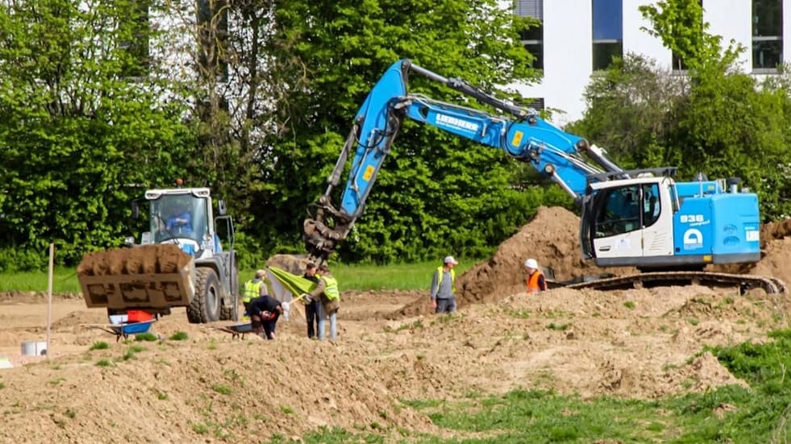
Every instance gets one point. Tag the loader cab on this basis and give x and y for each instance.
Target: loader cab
(182, 216)
(629, 222)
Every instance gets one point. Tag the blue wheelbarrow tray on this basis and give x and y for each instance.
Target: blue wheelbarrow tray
(238, 330)
(126, 329)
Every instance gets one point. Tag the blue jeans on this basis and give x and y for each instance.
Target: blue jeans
(312, 315)
(322, 315)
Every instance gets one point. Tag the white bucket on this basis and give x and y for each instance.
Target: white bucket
(118, 319)
(5, 362)
(34, 348)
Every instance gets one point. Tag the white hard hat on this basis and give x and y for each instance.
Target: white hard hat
(450, 260)
(531, 263)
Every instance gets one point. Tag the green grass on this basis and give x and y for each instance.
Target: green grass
(351, 277)
(63, 280)
(415, 276)
(179, 336)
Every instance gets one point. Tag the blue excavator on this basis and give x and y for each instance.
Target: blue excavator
(668, 230)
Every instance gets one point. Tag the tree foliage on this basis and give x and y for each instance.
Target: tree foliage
(435, 192)
(78, 132)
(252, 98)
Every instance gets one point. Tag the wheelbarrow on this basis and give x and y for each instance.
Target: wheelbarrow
(124, 329)
(236, 331)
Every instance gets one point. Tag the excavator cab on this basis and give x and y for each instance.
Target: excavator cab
(629, 222)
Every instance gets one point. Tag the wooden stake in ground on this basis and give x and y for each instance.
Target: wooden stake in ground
(49, 293)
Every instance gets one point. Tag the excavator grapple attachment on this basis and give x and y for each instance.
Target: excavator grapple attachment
(154, 277)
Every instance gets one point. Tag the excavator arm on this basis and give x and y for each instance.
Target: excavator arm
(525, 137)
(667, 247)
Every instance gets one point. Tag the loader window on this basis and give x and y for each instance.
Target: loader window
(619, 212)
(179, 216)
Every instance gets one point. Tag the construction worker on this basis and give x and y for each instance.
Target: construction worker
(535, 278)
(329, 297)
(264, 313)
(311, 304)
(252, 289)
(180, 221)
(443, 287)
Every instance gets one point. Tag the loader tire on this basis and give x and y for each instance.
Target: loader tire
(231, 312)
(225, 314)
(206, 305)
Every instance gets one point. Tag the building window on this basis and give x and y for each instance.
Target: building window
(536, 104)
(767, 34)
(607, 32)
(676, 62)
(533, 38)
(213, 36)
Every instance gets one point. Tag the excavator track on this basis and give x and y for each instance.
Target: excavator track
(743, 282)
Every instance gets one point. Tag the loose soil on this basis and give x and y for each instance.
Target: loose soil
(640, 344)
(146, 259)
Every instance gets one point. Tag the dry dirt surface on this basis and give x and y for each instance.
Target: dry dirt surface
(210, 387)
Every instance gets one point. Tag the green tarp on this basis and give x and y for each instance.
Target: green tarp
(297, 285)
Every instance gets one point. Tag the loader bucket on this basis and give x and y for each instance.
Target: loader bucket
(149, 276)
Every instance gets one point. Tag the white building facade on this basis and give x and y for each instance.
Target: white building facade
(579, 37)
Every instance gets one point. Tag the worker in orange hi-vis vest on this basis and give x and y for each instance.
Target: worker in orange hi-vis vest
(535, 278)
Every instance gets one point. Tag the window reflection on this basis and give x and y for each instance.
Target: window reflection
(767, 34)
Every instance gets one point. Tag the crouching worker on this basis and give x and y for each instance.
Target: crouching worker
(264, 312)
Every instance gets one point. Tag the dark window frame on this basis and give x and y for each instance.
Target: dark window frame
(603, 50)
(533, 38)
(767, 36)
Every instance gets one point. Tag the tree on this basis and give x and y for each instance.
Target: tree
(79, 129)
(718, 121)
(435, 192)
(632, 111)
(680, 26)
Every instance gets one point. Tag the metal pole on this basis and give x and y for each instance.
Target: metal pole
(49, 293)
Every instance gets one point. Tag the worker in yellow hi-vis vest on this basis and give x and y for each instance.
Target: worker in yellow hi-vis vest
(329, 295)
(253, 288)
(443, 287)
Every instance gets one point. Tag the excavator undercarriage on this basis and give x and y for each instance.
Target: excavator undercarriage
(670, 278)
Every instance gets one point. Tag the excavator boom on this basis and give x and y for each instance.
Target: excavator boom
(528, 139)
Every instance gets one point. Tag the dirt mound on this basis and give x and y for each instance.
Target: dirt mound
(552, 238)
(294, 264)
(179, 393)
(77, 319)
(378, 305)
(775, 260)
(775, 230)
(631, 343)
(147, 259)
